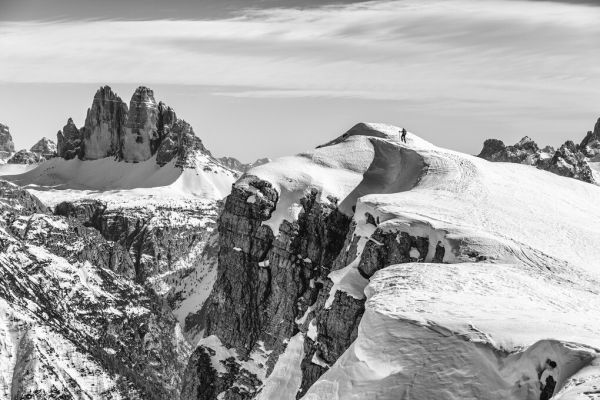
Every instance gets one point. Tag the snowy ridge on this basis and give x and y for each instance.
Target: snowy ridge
(521, 286)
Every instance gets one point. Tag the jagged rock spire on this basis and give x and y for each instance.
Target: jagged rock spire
(104, 125)
(69, 141)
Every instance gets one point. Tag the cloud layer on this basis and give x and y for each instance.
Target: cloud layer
(381, 49)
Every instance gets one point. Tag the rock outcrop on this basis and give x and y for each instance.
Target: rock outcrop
(79, 327)
(180, 142)
(269, 288)
(154, 242)
(104, 126)
(141, 129)
(569, 160)
(590, 145)
(6, 141)
(237, 165)
(7, 147)
(25, 157)
(131, 135)
(69, 141)
(526, 151)
(45, 148)
(166, 119)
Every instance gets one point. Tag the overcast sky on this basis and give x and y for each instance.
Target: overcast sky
(274, 77)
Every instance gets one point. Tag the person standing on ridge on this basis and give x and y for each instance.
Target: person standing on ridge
(548, 380)
(403, 137)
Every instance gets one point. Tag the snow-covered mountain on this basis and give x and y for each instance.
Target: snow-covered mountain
(131, 238)
(371, 268)
(43, 150)
(72, 324)
(366, 268)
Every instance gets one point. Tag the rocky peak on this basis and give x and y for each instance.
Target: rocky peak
(235, 164)
(104, 125)
(527, 143)
(590, 145)
(141, 127)
(6, 141)
(181, 142)
(166, 119)
(25, 157)
(525, 151)
(491, 148)
(69, 141)
(45, 148)
(569, 160)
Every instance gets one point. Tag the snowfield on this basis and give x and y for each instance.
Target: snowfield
(520, 281)
(127, 184)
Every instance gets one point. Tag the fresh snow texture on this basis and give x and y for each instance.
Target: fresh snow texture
(117, 182)
(519, 284)
(464, 331)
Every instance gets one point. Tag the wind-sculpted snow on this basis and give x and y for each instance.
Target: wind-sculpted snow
(470, 274)
(465, 331)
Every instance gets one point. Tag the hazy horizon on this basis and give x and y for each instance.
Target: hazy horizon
(270, 78)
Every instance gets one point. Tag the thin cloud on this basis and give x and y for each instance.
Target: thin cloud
(374, 50)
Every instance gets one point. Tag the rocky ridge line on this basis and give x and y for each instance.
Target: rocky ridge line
(572, 160)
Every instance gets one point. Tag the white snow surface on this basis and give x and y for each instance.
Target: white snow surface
(519, 284)
(285, 380)
(121, 183)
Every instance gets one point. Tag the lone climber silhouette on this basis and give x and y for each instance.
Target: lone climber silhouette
(403, 137)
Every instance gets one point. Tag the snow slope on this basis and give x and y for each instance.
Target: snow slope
(521, 284)
(121, 183)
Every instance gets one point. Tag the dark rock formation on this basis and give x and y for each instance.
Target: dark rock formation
(56, 277)
(166, 119)
(6, 142)
(104, 124)
(180, 142)
(526, 151)
(569, 160)
(70, 141)
(153, 243)
(25, 157)
(590, 145)
(134, 135)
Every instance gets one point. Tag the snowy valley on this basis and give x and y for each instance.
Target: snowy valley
(137, 265)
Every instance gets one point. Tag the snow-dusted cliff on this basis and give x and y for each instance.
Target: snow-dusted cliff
(370, 268)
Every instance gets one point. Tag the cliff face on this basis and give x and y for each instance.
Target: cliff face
(104, 126)
(368, 268)
(141, 129)
(277, 290)
(73, 324)
(69, 141)
(270, 288)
